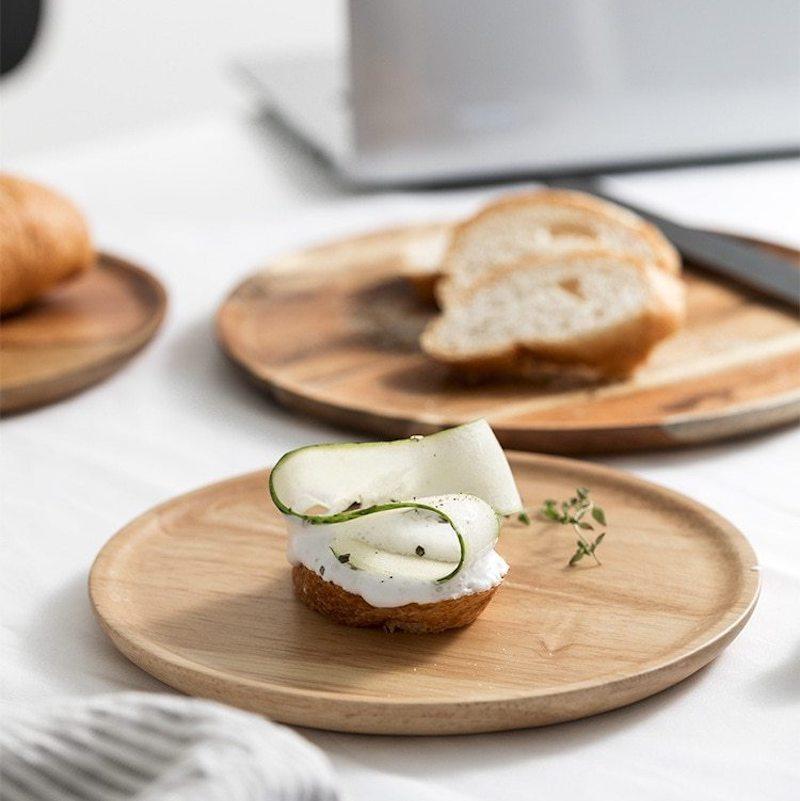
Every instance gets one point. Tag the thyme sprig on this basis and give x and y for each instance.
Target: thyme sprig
(573, 512)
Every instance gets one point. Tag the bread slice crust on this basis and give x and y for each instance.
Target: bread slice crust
(349, 609)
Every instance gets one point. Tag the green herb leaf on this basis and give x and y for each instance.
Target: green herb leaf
(571, 512)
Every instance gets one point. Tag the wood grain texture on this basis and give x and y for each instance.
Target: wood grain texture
(332, 332)
(78, 334)
(198, 593)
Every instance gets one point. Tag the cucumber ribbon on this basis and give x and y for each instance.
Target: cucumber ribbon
(388, 504)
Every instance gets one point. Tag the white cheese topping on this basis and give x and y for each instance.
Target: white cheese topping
(309, 546)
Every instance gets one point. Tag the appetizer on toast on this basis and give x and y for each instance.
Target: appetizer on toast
(399, 534)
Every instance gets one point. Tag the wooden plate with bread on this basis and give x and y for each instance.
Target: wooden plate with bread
(567, 322)
(71, 315)
(199, 593)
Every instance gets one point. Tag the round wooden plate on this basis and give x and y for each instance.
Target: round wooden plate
(78, 334)
(198, 593)
(333, 331)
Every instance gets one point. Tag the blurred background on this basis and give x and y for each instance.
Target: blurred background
(420, 91)
(107, 67)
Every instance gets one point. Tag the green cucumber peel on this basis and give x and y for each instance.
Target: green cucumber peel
(342, 517)
(489, 479)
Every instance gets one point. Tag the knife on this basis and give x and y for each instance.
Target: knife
(724, 255)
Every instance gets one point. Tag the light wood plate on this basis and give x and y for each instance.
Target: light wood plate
(198, 593)
(332, 332)
(78, 334)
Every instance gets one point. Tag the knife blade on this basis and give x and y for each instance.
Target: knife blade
(775, 276)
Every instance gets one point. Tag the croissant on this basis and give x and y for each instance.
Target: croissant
(44, 240)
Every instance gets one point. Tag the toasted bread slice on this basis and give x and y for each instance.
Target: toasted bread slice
(599, 309)
(352, 610)
(541, 223)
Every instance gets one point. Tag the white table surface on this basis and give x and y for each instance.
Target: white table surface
(202, 204)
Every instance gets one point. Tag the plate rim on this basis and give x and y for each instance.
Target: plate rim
(788, 402)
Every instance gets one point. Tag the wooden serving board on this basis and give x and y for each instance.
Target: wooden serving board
(333, 332)
(198, 593)
(78, 334)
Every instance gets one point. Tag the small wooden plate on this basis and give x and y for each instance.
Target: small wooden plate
(198, 593)
(78, 334)
(332, 332)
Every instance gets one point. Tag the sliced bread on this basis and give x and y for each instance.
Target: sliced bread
(348, 609)
(596, 308)
(541, 223)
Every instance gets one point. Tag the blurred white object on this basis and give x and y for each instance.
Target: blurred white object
(89, 77)
(468, 89)
(156, 748)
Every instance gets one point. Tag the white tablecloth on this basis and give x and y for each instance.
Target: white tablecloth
(203, 204)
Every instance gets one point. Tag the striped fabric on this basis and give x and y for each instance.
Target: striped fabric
(156, 748)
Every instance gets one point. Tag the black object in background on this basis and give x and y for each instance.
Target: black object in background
(19, 23)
